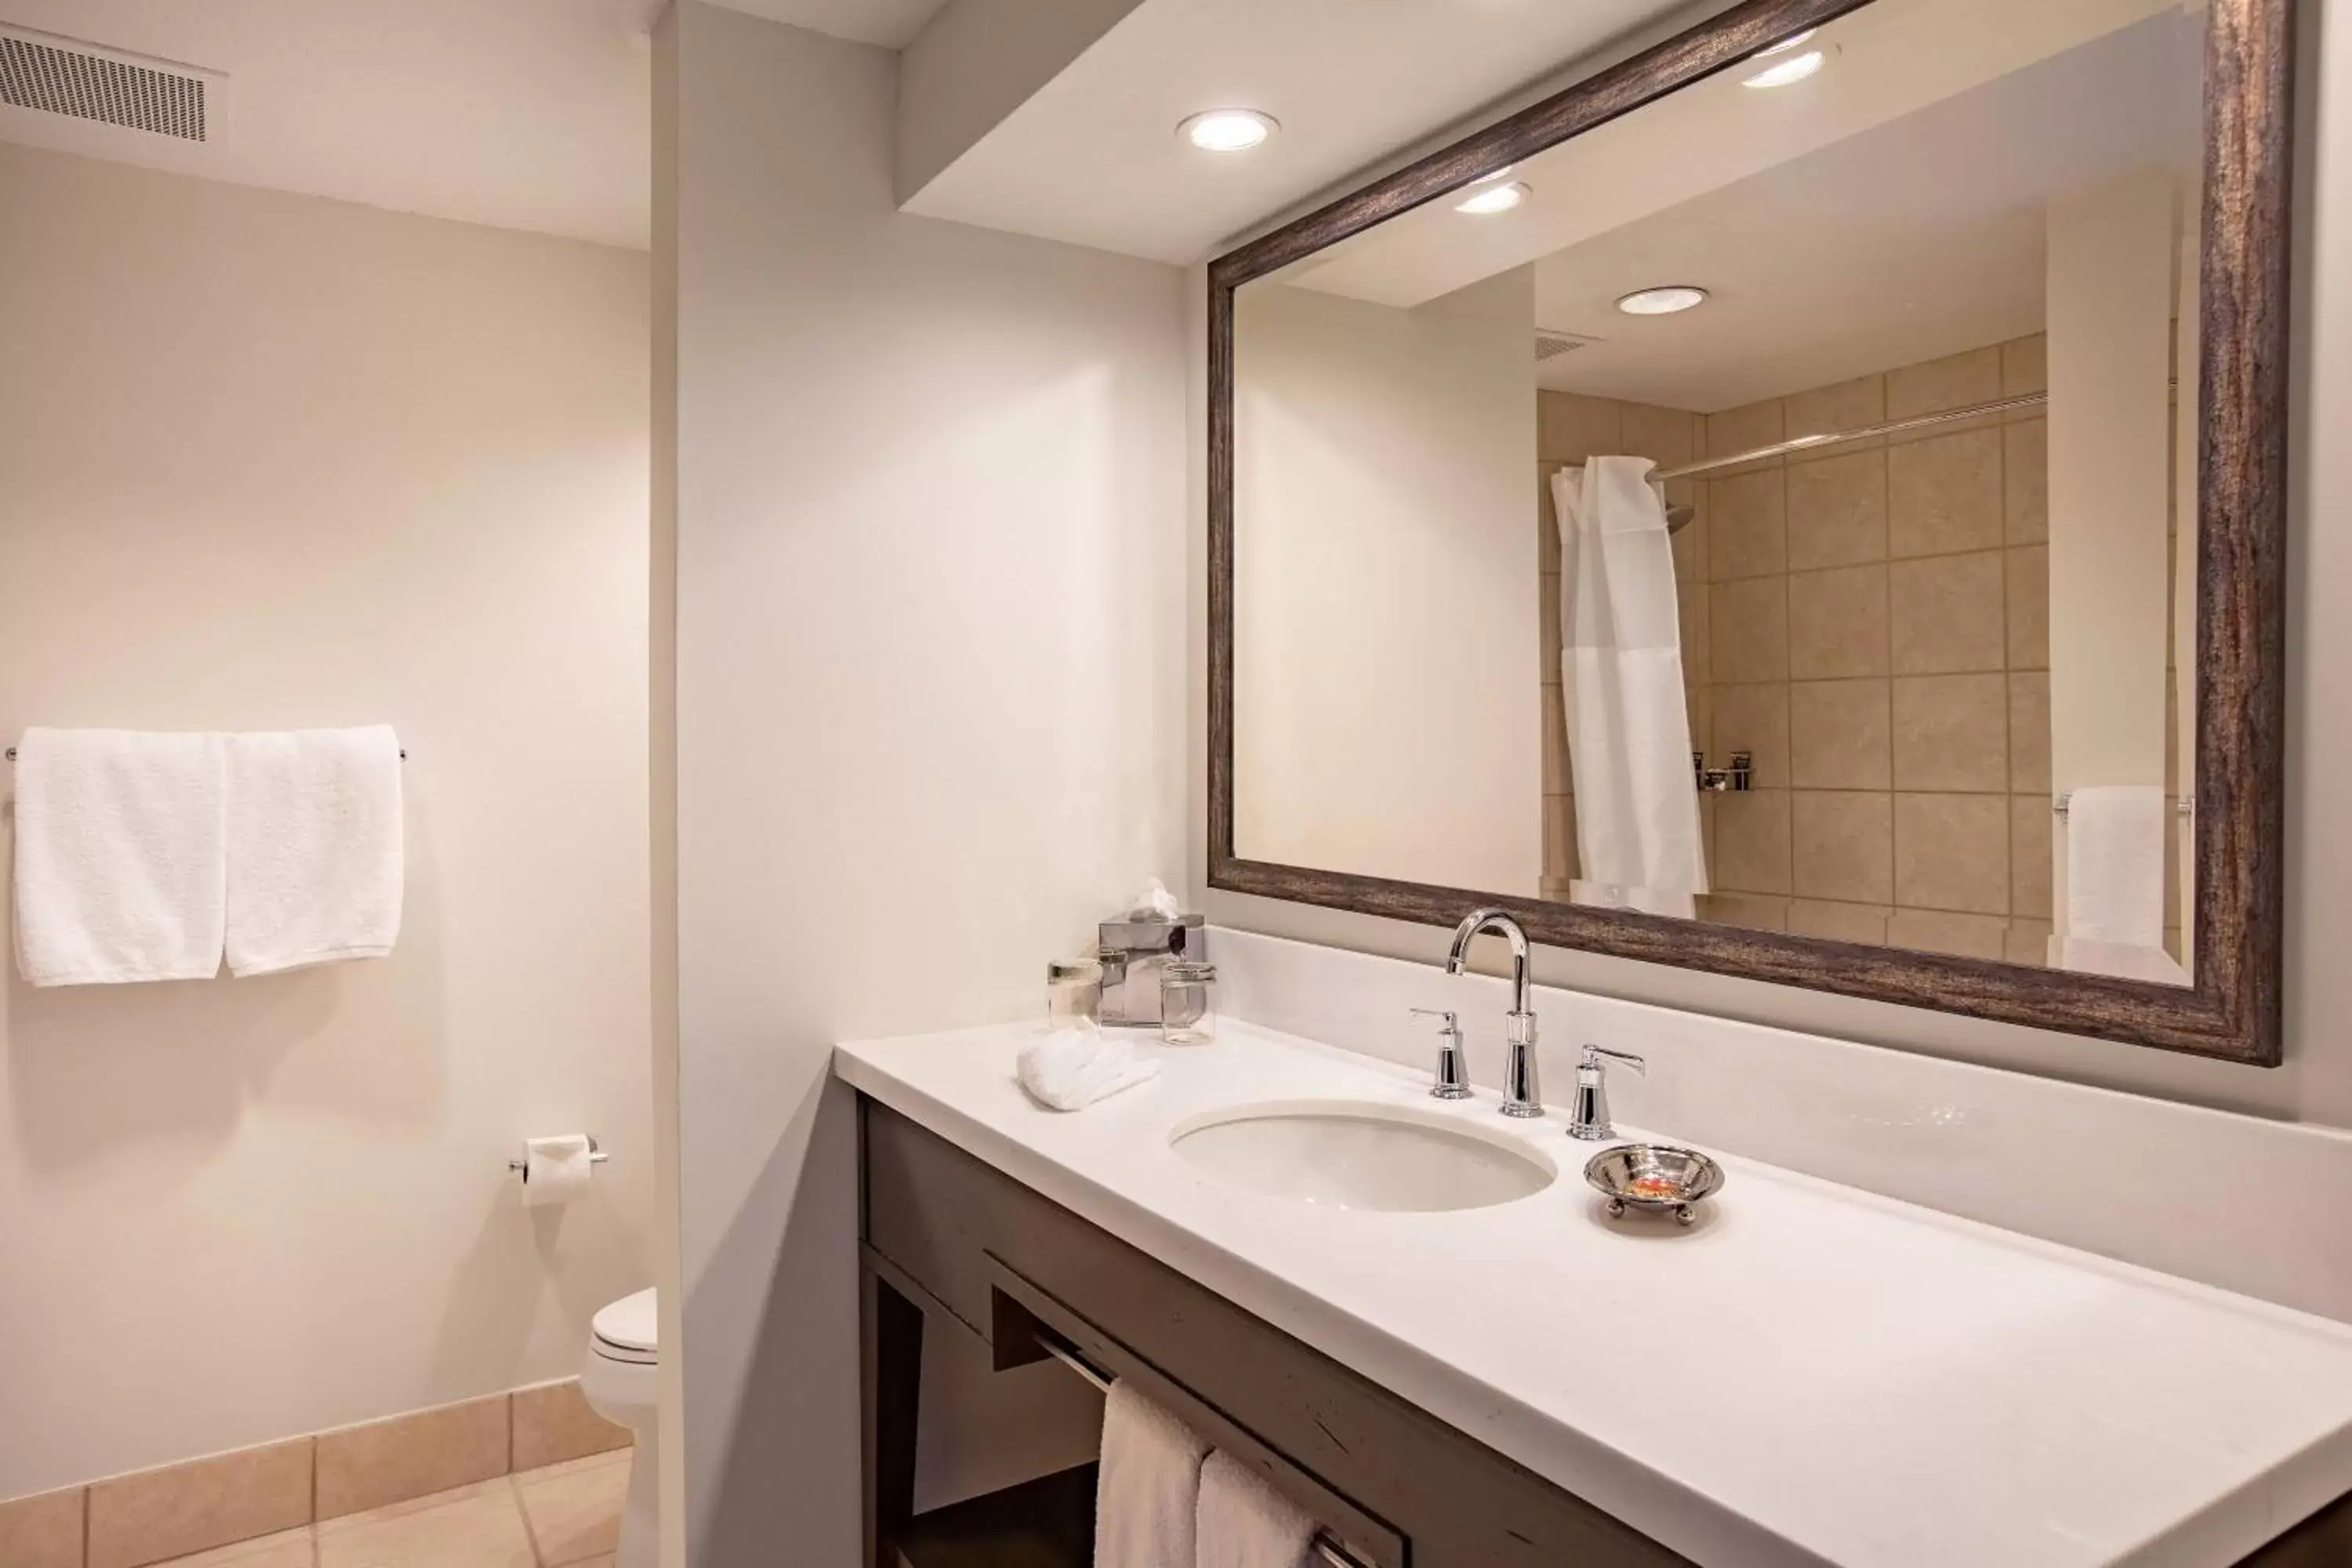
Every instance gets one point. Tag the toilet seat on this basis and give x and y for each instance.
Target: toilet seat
(628, 1330)
(620, 1382)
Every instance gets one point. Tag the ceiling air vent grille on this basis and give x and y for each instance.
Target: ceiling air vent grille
(1551, 342)
(65, 77)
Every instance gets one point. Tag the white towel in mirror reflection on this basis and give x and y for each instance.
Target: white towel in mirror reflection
(2115, 885)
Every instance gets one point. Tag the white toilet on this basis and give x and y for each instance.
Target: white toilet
(622, 1382)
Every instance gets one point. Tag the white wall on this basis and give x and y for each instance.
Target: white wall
(2112, 257)
(928, 691)
(2316, 1084)
(276, 461)
(1385, 638)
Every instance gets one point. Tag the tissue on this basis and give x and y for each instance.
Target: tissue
(1156, 899)
(556, 1170)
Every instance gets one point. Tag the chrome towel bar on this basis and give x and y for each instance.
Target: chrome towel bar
(2185, 806)
(1325, 1547)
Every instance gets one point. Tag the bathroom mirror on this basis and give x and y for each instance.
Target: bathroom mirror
(1896, 608)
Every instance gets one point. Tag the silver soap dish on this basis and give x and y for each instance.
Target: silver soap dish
(1655, 1178)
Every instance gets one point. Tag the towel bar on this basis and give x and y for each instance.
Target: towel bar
(12, 753)
(1330, 1550)
(2185, 806)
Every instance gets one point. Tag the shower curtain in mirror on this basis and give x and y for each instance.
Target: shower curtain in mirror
(1629, 746)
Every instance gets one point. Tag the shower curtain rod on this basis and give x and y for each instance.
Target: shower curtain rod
(1832, 438)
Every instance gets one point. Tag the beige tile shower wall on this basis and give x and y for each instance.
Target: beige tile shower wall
(1871, 624)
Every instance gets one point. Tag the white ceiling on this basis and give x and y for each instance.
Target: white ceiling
(534, 114)
(1893, 58)
(1919, 239)
(1092, 158)
(892, 23)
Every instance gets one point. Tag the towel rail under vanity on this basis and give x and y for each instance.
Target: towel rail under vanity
(1329, 1550)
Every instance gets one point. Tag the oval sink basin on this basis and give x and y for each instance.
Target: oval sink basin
(1352, 1154)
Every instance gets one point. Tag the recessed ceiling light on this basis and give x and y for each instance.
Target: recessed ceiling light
(1494, 199)
(1227, 130)
(1502, 173)
(1784, 45)
(1663, 300)
(1795, 68)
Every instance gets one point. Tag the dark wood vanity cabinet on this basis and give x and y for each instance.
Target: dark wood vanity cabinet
(953, 1245)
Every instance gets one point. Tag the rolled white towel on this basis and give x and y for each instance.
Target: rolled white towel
(1069, 1070)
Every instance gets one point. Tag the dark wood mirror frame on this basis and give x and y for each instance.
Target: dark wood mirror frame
(2233, 1009)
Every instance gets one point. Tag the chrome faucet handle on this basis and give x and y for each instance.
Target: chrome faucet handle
(1453, 1068)
(1589, 1119)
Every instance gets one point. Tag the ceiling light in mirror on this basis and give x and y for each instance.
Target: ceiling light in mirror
(1493, 199)
(1227, 130)
(1795, 68)
(1785, 45)
(1664, 300)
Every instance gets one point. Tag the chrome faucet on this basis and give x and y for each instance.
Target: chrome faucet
(1521, 1094)
(1589, 1118)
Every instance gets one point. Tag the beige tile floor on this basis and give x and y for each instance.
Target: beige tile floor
(565, 1516)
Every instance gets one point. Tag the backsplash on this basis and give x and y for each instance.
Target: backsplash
(2121, 1175)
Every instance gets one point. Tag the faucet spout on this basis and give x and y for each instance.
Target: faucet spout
(1521, 1094)
(1503, 924)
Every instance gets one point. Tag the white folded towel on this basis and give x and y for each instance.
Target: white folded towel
(1069, 1070)
(1147, 1493)
(2115, 865)
(119, 866)
(1245, 1523)
(315, 858)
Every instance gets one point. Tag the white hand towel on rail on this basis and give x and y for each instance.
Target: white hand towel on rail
(2114, 864)
(119, 856)
(315, 849)
(1245, 1523)
(1147, 1493)
(2115, 885)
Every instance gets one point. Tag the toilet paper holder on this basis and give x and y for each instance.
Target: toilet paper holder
(596, 1156)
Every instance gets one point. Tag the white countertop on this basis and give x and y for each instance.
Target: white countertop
(1837, 1378)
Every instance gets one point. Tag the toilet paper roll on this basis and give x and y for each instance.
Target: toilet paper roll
(556, 1170)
